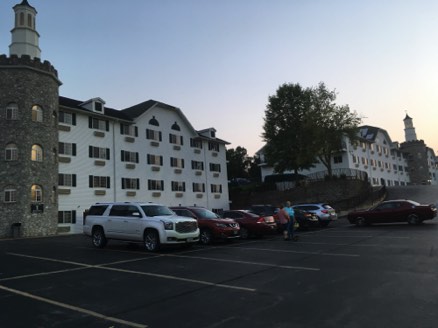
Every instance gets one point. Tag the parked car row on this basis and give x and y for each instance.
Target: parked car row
(307, 215)
(155, 224)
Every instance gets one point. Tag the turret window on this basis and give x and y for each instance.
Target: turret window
(10, 195)
(37, 113)
(12, 111)
(37, 153)
(11, 152)
(36, 194)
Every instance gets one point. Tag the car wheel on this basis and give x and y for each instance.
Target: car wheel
(151, 240)
(98, 237)
(414, 219)
(205, 237)
(244, 233)
(360, 222)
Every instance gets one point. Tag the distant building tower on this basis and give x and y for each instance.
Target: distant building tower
(410, 134)
(28, 134)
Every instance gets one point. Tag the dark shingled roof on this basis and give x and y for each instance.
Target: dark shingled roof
(137, 110)
(75, 104)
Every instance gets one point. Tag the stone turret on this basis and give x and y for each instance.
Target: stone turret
(29, 98)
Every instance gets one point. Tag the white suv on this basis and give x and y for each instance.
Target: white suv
(149, 223)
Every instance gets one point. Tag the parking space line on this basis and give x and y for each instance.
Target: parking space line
(245, 262)
(158, 275)
(41, 274)
(299, 252)
(104, 266)
(73, 308)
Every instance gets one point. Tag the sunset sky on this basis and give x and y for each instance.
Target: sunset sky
(219, 61)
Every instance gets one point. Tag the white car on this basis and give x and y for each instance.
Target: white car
(149, 223)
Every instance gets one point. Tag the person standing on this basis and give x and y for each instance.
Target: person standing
(290, 227)
(284, 219)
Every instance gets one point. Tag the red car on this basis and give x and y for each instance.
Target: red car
(394, 211)
(252, 224)
(211, 225)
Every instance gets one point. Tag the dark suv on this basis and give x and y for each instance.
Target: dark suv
(211, 225)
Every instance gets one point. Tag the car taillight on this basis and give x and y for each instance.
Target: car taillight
(325, 211)
(261, 220)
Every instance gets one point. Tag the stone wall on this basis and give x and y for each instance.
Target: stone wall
(340, 193)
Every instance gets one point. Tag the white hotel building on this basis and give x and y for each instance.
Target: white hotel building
(385, 162)
(148, 152)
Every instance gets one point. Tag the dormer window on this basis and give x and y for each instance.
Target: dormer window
(213, 134)
(95, 105)
(98, 107)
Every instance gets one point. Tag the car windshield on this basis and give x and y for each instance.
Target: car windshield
(205, 214)
(157, 210)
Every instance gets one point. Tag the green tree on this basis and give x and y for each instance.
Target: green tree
(303, 126)
(286, 126)
(332, 124)
(238, 163)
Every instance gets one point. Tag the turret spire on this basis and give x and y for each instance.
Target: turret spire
(25, 38)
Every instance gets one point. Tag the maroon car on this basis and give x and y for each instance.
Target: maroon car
(394, 211)
(252, 224)
(211, 225)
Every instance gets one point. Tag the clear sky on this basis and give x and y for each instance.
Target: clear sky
(220, 60)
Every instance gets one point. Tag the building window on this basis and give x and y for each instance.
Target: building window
(153, 135)
(155, 160)
(67, 180)
(176, 127)
(128, 130)
(337, 159)
(129, 156)
(67, 118)
(195, 143)
(36, 194)
(177, 162)
(11, 152)
(130, 183)
(94, 123)
(198, 187)
(196, 165)
(153, 121)
(99, 182)
(215, 167)
(37, 153)
(175, 139)
(96, 152)
(216, 188)
(178, 186)
(66, 148)
(155, 185)
(37, 113)
(355, 159)
(10, 195)
(214, 146)
(67, 217)
(12, 111)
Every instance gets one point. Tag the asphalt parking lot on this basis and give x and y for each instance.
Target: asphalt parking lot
(340, 276)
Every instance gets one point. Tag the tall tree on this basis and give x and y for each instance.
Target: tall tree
(238, 163)
(286, 125)
(332, 123)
